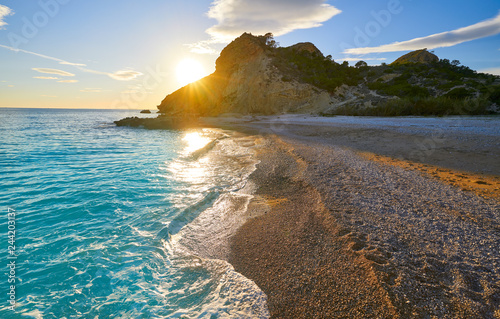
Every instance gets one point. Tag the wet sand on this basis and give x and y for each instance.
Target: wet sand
(349, 227)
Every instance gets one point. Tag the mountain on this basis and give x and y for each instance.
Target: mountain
(253, 75)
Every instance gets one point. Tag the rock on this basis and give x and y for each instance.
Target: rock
(245, 81)
(418, 56)
(146, 112)
(306, 46)
(161, 122)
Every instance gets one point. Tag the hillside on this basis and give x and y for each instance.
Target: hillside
(418, 56)
(253, 75)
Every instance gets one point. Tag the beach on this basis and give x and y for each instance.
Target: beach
(372, 220)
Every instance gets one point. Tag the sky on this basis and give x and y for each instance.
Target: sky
(130, 54)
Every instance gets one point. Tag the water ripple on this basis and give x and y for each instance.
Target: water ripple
(93, 205)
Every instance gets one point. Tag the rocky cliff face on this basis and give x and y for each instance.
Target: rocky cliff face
(245, 81)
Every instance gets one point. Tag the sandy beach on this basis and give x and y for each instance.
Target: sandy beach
(373, 220)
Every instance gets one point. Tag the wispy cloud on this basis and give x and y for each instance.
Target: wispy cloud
(125, 75)
(45, 77)
(495, 71)
(41, 56)
(70, 63)
(122, 75)
(54, 78)
(203, 47)
(53, 71)
(68, 81)
(4, 12)
(479, 30)
(261, 16)
(91, 90)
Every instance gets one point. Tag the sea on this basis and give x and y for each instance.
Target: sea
(100, 221)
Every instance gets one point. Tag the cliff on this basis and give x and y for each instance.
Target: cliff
(253, 75)
(245, 81)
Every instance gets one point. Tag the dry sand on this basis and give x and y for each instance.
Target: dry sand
(360, 221)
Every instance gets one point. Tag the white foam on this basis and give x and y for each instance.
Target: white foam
(202, 245)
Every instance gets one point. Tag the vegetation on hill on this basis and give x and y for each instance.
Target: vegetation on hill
(418, 83)
(315, 69)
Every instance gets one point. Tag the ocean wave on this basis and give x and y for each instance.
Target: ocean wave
(198, 238)
(188, 215)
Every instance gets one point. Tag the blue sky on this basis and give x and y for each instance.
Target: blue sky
(126, 53)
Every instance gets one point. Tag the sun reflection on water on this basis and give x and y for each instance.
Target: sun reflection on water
(195, 141)
(193, 172)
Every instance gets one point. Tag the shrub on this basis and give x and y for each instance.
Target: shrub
(495, 95)
(419, 107)
(459, 94)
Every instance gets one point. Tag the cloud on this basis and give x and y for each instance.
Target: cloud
(280, 17)
(70, 63)
(53, 71)
(54, 78)
(68, 81)
(479, 30)
(45, 77)
(41, 56)
(122, 75)
(4, 12)
(91, 90)
(494, 71)
(203, 47)
(125, 75)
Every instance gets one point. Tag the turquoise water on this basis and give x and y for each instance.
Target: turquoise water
(121, 223)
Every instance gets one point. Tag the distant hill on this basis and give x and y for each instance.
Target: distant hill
(255, 76)
(418, 56)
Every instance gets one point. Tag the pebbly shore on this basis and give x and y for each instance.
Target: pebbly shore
(341, 235)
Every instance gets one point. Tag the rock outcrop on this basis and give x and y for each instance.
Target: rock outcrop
(307, 47)
(245, 81)
(254, 76)
(418, 56)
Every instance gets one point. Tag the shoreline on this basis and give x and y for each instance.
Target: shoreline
(341, 233)
(371, 217)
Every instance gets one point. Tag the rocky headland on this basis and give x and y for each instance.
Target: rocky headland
(255, 76)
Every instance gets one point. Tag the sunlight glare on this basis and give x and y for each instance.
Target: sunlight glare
(195, 141)
(189, 70)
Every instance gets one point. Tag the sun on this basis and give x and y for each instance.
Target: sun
(189, 70)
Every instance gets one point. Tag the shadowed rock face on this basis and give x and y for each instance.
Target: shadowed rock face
(243, 50)
(245, 81)
(419, 56)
